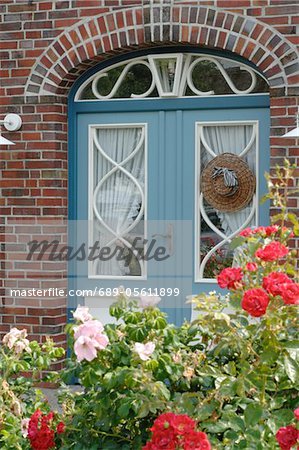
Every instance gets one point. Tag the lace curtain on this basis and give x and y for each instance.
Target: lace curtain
(118, 197)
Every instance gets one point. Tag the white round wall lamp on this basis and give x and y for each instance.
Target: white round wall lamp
(11, 122)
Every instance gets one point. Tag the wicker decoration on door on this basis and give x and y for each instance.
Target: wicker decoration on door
(227, 183)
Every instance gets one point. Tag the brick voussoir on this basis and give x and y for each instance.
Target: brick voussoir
(115, 33)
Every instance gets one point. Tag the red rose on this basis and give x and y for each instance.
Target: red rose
(196, 440)
(290, 293)
(164, 440)
(272, 251)
(246, 232)
(182, 424)
(163, 422)
(230, 277)
(273, 281)
(172, 431)
(40, 435)
(272, 229)
(287, 437)
(60, 428)
(296, 413)
(267, 231)
(255, 302)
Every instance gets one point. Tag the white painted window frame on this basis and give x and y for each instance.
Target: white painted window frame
(198, 194)
(90, 181)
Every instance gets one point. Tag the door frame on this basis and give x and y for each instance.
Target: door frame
(211, 102)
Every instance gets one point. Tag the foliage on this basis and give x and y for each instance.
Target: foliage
(281, 186)
(131, 381)
(234, 371)
(21, 363)
(247, 384)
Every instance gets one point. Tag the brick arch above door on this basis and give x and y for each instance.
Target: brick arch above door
(94, 39)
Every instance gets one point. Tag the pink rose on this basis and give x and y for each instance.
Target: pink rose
(101, 341)
(148, 301)
(21, 345)
(16, 340)
(296, 413)
(85, 348)
(144, 350)
(90, 328)
(271, 252)
(255, 302)
(230, 278)
(82, 314)
(24, 427)
(13, 336)
(273, 281)
(89, 338)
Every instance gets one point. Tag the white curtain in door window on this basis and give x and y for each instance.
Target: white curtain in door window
(231, 139)
(118, 174)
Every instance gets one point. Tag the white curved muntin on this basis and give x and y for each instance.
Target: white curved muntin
(118, 167)
(186, 62)
(223, 73)
(242, 154)
(206, 145)
(118, 83)
(190, 80)
(207, 220)
(226, 239)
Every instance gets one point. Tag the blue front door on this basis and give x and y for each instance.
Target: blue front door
(137, 175)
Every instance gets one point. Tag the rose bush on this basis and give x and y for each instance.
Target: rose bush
(147, 384)
(132, 376)
(21, 365)
(247, 384)
(250, 374)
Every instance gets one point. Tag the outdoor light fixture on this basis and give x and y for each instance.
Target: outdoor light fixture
(12, 122)
(295, 132)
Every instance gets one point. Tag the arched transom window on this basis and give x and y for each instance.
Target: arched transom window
(171, 76)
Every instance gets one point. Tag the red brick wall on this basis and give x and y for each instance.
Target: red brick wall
(40, 57)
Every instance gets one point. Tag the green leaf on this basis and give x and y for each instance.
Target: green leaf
(236, 242)
(236, 423)
(252, 414)
(252, 247)
(205, 411)
(123, 410)
(291, 368)
(159, 323)
(144, 410)
(293, 218)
